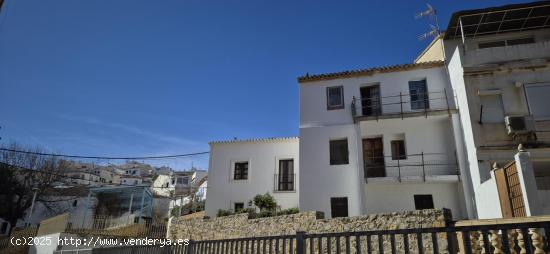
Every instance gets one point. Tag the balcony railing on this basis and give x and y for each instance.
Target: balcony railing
(285, 182)
(411, 166)
(401, 105)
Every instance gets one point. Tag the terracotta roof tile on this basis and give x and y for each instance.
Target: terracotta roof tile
(368, 71)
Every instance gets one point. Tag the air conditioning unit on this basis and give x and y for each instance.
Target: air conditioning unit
(519, 124)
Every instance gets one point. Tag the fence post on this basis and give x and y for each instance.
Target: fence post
(423, 167)
(300, 242)
(399, 167)
(401, 103)
(189, 247)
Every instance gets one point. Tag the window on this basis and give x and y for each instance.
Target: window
(537, 99)
(241, 171)
(398, 150)
(491, 110)
(238, 206)
(423, 202)
(419, 95)
(335, 97)
(339, 207)
(511, 42)
(183, 180)
(339, 152)
(286, 175)
(75, 203)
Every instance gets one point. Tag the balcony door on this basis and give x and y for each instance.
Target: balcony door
(370, 100)
(373, 156)
(286, 175)
(419, 95)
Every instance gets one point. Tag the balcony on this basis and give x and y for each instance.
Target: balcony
(284, 183)
(401, 105)
(423, 167)
(475, 57)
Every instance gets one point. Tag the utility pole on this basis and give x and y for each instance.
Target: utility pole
(34, 189)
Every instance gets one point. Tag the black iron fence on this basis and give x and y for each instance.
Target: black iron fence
(401, 104)
(284, 182)
(410, 165)
(528, 238)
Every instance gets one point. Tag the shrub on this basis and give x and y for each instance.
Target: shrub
(265, 213)
(289, 211)
(265, 202)
(222, 213)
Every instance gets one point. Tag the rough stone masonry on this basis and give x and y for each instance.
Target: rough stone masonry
(239, 226)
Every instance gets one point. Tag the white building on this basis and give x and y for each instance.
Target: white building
(419, 135)
(241, 169)
(499, 70)
(378, 140)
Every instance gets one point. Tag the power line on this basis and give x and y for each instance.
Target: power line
(105, 157)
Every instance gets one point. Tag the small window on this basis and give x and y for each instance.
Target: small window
(335, 97)
(339, 152)
(537, 99)
(241, 171)
(339, 207)
(398, 150)
(75, 203)
(238, 206)
(491, 109)
(423, 202)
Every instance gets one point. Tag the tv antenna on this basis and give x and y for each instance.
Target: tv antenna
(434, 31)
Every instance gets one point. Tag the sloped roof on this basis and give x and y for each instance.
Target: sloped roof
(369, 71)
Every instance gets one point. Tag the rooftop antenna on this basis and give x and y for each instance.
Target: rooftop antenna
(435, 31)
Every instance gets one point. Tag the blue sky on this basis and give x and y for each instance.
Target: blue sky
(135, 77)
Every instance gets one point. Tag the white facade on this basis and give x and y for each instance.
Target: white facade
(430, 165)
(490, 84)
(263, 157)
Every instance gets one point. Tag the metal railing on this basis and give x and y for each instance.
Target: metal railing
(411, 165)
(118, 226)
(525, 237)
(401, 104)
(284, 182)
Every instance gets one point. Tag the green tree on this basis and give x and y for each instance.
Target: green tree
(265, 202)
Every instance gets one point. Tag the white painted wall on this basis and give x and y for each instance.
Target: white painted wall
(385, 198)
(313, 104)
(432, 135)
(321, 181)
(482, 141)
(263, 157)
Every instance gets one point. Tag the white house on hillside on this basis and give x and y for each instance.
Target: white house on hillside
(378, 140)
(241, 169)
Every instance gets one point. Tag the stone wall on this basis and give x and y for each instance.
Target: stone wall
(239, 226)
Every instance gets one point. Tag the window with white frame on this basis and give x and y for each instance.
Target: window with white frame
(537, 100)
(335, 97)
(240, 170)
